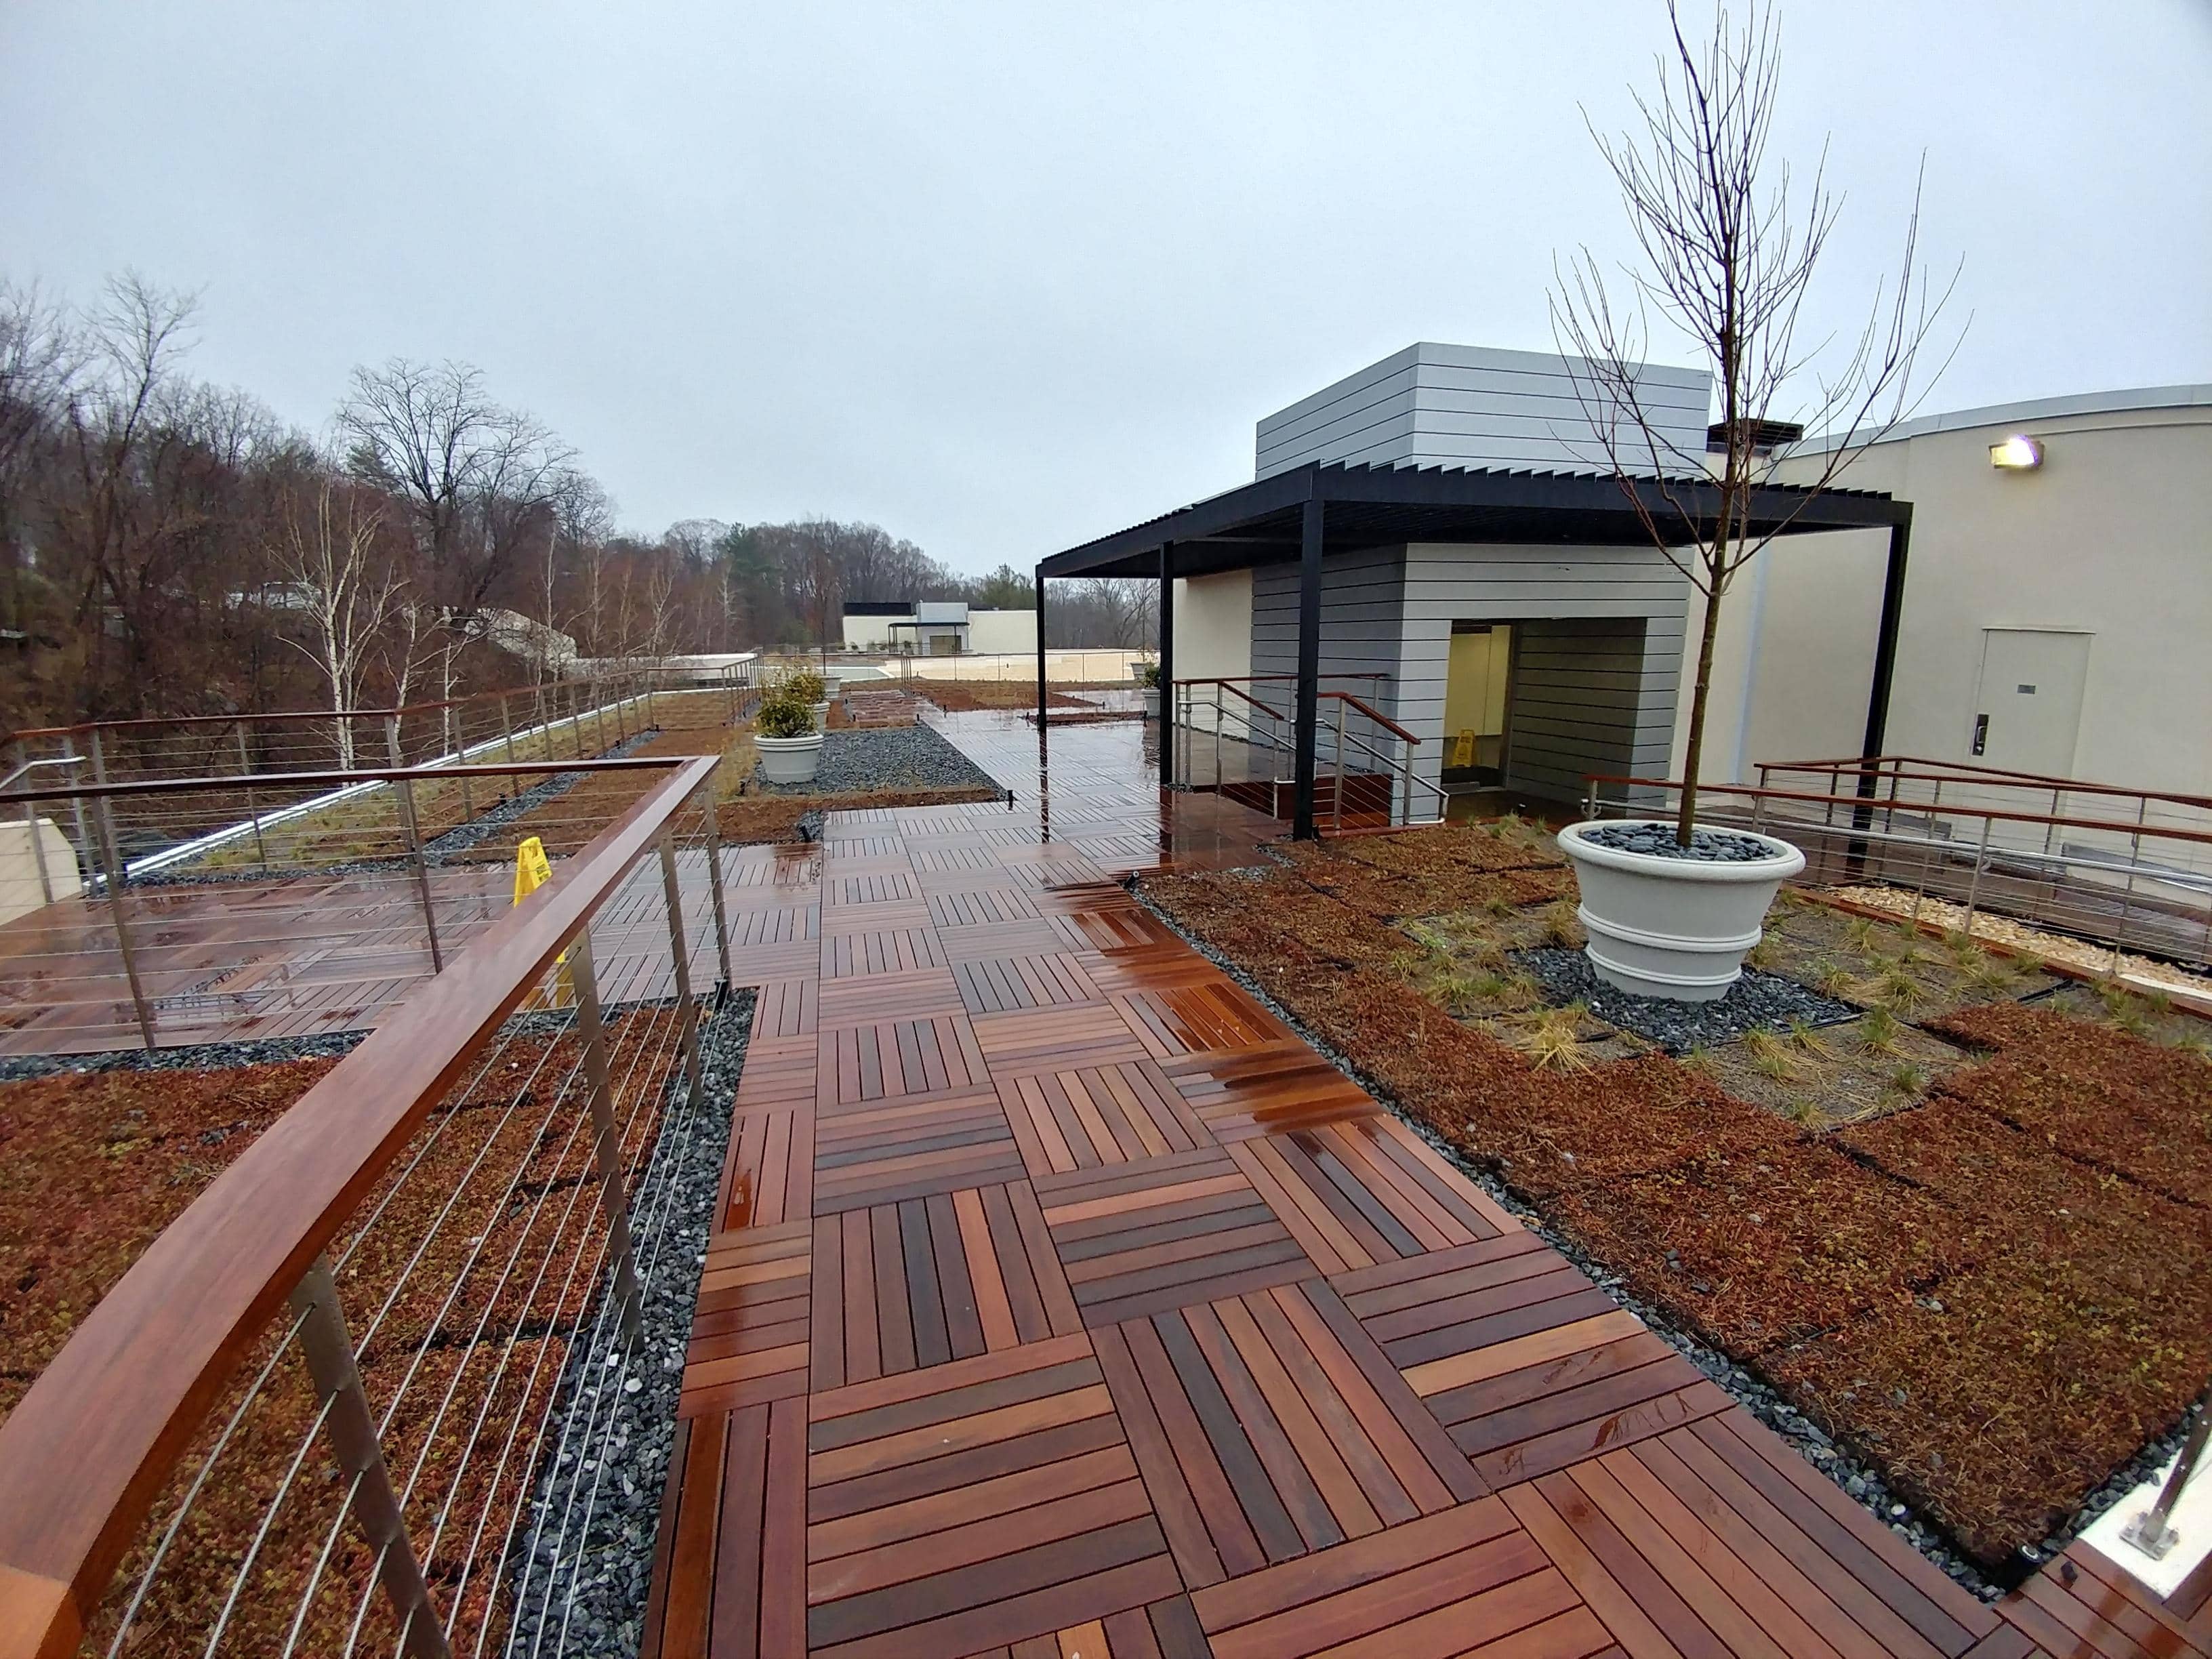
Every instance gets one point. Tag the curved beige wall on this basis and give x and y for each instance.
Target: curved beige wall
(2113, 536)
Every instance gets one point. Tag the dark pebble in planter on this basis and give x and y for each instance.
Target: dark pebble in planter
(1706, 846)
(1754, 1001)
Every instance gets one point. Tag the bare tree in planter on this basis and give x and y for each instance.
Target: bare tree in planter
(1728, 259)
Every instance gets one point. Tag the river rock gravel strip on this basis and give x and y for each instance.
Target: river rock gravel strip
(895, 758)
(581, 1563)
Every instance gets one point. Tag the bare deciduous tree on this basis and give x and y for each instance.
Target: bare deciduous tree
(330, 559)
(1728, 259)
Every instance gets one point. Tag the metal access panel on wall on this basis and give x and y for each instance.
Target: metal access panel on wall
(2028, 705)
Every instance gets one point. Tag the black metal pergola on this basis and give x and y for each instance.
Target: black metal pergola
(1312, 512)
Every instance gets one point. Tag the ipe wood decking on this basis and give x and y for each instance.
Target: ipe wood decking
(1066, 1305)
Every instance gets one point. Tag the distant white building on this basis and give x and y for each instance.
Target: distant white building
(936, 627)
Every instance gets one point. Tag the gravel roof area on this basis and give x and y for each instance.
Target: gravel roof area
(899, 758)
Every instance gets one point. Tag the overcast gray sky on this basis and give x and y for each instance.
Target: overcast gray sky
(1004, 277)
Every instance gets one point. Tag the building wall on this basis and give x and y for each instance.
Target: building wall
(1002, 631)
(2113, 536)
(1362, 619)
(1453, 405)
(986, 631)
(1212, 633)
(870, 633)
(1598, 652)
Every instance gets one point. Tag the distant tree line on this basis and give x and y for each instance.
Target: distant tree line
(168, 547)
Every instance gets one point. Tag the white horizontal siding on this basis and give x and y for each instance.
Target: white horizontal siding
(1438, 404)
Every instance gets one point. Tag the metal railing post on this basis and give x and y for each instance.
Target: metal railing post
(328, 1347)
(606, 1140)
(679, 951)
(507, 727)
(76, 806)
(1338, 823)
(37, 852)
(2148, 1532)
(122, 946)
(1974, 882)
(600, 716)
(576, 720)
(2128, 895)
(651, 719)
(246, 769)
(715, 884)
(404, 789)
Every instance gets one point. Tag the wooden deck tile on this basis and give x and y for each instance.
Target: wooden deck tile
(979, 1503)
(1081, 1118)
(881, 1059)
(1264, 1435)
(1277, 1085)
(1202, 1018)
(1369, 1190)
(883, 1150)
(995, 984)
(1442, 1586)
(1142, 1237)
(1065, 1306)
(748, 1335)
(927, 1280)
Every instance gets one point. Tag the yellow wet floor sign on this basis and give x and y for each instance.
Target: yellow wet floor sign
(533, 869)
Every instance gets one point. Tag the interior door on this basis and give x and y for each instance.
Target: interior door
(2027, 708)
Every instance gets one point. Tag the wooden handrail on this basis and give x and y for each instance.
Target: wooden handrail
(311, 715)
(1888, 766)
(1383, 721)
(88, 1450)
(1862, 804)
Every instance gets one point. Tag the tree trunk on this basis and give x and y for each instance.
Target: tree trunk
(1686, 819)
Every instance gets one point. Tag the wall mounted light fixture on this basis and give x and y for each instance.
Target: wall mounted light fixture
(2017, 453)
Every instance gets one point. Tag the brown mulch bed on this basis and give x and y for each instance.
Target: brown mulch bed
(132, 1149)
(1995, 1291)
(969, 696)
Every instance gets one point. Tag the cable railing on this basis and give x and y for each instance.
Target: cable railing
(1364, 760)
(2129, 880)
(293, 919)
(363, 1394)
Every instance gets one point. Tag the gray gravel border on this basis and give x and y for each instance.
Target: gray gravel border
(580, 1567)
(886, 758)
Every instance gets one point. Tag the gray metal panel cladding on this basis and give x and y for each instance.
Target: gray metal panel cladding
(1440, 405)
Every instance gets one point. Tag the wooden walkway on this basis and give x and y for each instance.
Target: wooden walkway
(1061, 1303)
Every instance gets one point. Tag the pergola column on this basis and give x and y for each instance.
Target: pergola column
(1167, 665)
(1309, 703)
(1042, 695)
(1884, 644)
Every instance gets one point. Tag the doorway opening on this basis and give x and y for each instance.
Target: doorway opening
(1477, 698)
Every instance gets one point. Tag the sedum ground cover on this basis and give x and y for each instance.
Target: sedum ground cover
(1967, 1234)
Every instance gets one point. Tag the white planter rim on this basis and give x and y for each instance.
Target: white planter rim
(789, 745)
(1784, 861)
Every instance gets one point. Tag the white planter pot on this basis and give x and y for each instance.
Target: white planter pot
(822, 715)
(831, 685)
(1151, 702)
(1673, 928)
(790, 760)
